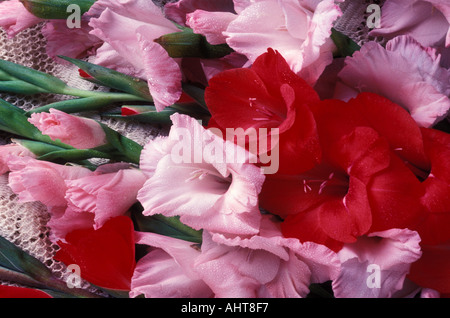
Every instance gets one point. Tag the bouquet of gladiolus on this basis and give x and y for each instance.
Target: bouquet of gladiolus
(297, 162)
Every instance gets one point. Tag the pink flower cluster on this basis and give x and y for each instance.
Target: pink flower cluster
(281, 50)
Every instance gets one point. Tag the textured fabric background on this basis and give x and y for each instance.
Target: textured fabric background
(25, 224)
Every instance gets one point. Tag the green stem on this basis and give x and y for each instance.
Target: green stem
(112, 96)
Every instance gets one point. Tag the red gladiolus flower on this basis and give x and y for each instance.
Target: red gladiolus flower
(268, 95)
(363, 183)
(106, 256)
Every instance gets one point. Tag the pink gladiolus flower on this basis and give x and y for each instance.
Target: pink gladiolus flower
(376, 265)
(263, 266)
(205, 180)
(75, 43)
(427, 21)
(106, 195)
(129, 29)
(9, 150)
(167, 271)
(36, 180)
(300, 31)
(79, 132)
(419, 84)
(14, 18)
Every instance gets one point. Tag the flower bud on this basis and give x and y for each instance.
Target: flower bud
(79, 132)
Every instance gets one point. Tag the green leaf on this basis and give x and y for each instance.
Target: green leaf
(113, 79)
(15, 259)
(76, 105)
(126, 149)
(345, 45)
(55, 9)
(189, 44)
(168, 226)
(197, 93)
(20, 87)
(43, 80)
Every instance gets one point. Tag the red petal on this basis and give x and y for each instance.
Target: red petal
(436, 200)
(306, 227)
(345, 219)
(106, 256)
(127, 111)
(269, 95)
(432, 270)
(395, 124)
(84, 74)
(394, 196)
(21, 292)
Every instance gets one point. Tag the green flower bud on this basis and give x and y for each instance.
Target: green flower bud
(189, 44)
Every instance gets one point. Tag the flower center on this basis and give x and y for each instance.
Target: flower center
(336, 185)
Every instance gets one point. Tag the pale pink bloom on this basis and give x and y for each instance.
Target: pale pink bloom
(299, 30)
(167, 271)
(38, 180)
(177, 11)
(266, 265)
(105, 194)
(10, 150)
(404, 72)
(208, 182)
(427, 21)
(14, 17)
(79, 132)
(130, 27)
(72, 42)
(388, 254)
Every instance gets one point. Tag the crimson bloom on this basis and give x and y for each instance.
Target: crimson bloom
(364, 182)
(267, 100)
(106, 256)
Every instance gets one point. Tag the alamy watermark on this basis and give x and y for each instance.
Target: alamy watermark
(251, 146)
(73, 280)
(73, 21)
(374, 279)
(374, 19)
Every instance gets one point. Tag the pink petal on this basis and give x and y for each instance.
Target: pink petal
(392, 252)
(266, 265)
(14, 18)
(210, 24)
(12, 150)
(167, 270)
(162, 72)
(419, 19)
(35, 180)
(76, 43)
(419, 85)
(106, 195)
(178, 10)
(130, 29)
(274, 24)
